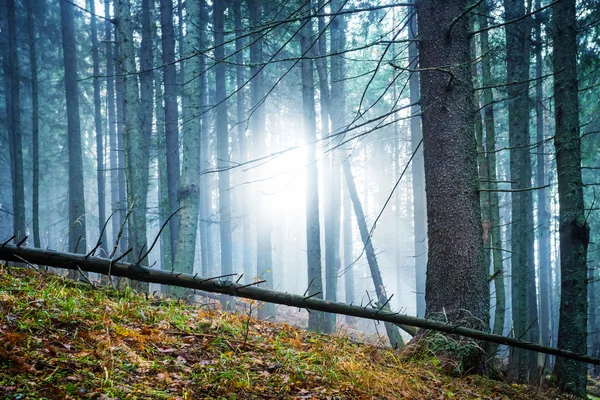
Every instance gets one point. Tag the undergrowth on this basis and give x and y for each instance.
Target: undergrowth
(64, 339)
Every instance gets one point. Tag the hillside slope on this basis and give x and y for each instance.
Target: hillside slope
(62, 339)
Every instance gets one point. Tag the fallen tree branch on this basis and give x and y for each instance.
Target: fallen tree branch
(133, 271)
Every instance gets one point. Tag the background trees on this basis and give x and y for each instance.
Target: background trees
(273, 100)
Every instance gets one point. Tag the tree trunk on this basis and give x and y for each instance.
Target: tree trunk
(490, 149)
(316, 321)
(243, 192)
(190, 177)
(100, 174)
(136, 146)
(418, 172)
(77, 238)
(112, 133)
(524, 300)
(14, 131)
(222, 139)
(449, 147)
(121, 116)
(573, 227)
(543, 216)
(382, 299)
(171, 119)
(264, 228)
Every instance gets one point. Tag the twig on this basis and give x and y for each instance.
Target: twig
(158, 235)
(116, 246)
(8, 241)
(22, 241)
(122, 256)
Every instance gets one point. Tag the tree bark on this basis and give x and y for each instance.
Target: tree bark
(524, 300)
(453, 209)
(418, 171)
(573, 227)
(222, 131)
(490, 149)
(100, 169)
(190, 176)
(171, 115)
(316, 321)
(77, 235)
(14, 131)
(136, 147)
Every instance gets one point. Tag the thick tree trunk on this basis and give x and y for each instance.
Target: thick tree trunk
(490, 149)
(171, 115)
(14, 131)
(316, 321)
(77, 237)
(418, 171)
(453, 209)
(524, 299)
(190, 176)
(136, 146)
(100, 169)
(121, 116)
(573, 227)
(222, 131)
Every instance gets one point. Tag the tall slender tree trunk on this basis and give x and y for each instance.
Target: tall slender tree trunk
(205, 191)
(171, 115)
(190, 177)
(543, 216)
(243, 143)
(453, 209)
(112, 133)
(136, 149)
(100, 169)
(524, 299)
(264, 227)
(418, 172)
(573, 227)
(490, 149)
(348, 270)
(14, 132)
(77, 235)
(34, 125)
(121, 116)
(222, 139)
(382, 299)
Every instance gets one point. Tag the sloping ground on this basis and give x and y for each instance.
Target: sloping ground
(62, 339)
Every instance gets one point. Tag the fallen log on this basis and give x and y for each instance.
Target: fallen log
(105, 266)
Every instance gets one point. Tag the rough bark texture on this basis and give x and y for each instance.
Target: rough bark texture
(524, 300)
(313, 231)
(573, 227)
(14, 131)
(418, 171)
(76, 200)
(222, 129)
(171, 114)
(453, 209)
(100, 171)
(34, 125)
(120, 145)
(136, 148)
(490, 149)
(190, 175)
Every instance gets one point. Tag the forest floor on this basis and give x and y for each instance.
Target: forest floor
(66, 339)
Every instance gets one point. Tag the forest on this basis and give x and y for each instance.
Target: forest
(421, 175)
